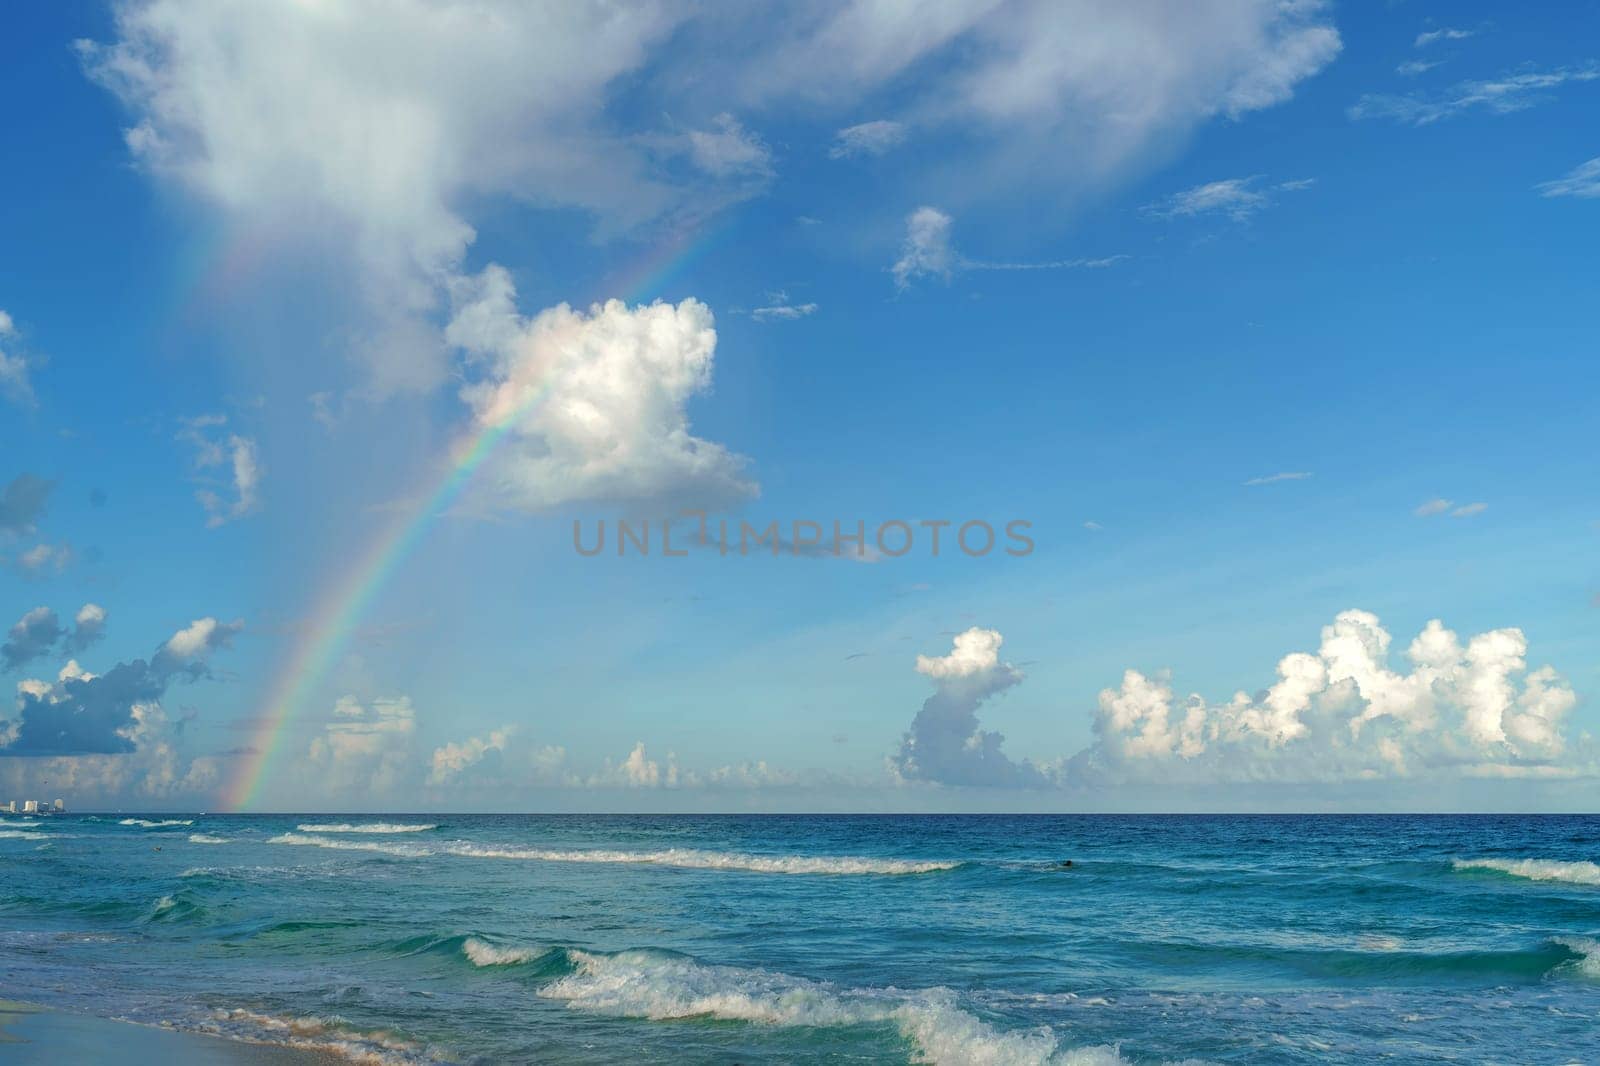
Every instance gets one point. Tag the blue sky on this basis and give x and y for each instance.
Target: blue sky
(1260, 314)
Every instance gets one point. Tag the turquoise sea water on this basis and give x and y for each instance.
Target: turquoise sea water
(560, 939)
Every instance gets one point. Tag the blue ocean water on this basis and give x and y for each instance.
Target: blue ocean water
(559, 939)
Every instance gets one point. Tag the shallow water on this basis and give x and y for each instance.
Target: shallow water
(828, 939)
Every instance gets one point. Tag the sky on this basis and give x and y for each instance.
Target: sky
(1210, 385)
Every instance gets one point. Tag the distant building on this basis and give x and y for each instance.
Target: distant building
(30, 806)
(59, 806)
(10, 807)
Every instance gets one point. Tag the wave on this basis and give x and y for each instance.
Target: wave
(1575, 873)
(19, 823)
(1588, 951)
(712, 860)
(405, 851)
(483, 953)
(660, 986)
(363, 827)
(162, 824)
(325, 1036)
(20, 834)
(202, 838)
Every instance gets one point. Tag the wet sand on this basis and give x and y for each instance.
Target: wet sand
(32, 1035)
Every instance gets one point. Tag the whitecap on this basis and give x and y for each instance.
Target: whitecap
(711, 860)
(328, 1036)
(1576, 873)
(657, 986)
(364, 827)
(406, 851)
(203, 838)
(161, 824)
(19, 834)
(1589, 948)
(483, 953)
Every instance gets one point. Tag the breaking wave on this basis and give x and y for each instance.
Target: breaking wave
(1588, 950)
(660, 986)
(405, 851)
(161, 824)
(325, 1036)
(1575, 873)
(202, 838)
(20, 834)
(712, 860)
(483, 953)
(363, 827)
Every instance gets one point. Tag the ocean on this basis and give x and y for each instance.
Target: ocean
(779, 939)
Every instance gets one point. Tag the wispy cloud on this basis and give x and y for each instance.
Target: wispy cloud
(1237, 198)
(1446, 34)
(1440, 505)
(1582, 181)
(779, 308)
(14, 381)
(928, 252)
(1093, 526)
(1412, 67)
(1286, 475)
(1500, 96)
(868, 138)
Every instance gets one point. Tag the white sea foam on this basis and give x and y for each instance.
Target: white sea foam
(363, 827)
(710, 860)
(1576, 873)
(646, 984)
(328, 1036)
(161, 824)
(483, 953)
(19, 834)
(406, 851)
(19, 823)
(1589, 948)
(202, 838)
(163, 905)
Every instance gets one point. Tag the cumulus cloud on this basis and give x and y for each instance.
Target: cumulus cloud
(1498, 96)
(366, 747)
(1342, 713)
(23, 503)
(867, 138)
(89, 714)
(944, 744)
(14, 383)
(235, 454)
(1237, 198)
(454, 759)
(638, 770)
(927, 251)
(34, 635)
(1582, 181)
(89, 625)
(596, 401)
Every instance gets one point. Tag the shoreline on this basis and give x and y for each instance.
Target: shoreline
(33, 1034)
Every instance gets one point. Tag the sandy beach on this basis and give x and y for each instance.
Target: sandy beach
(32, 1034)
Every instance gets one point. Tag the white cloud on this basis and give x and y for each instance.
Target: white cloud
(365, 748)
(867, 138)
(1582, 181)
(928, 252)
(198, 639)
(944, 744)
(1433, 507)
(238, 455)
(1446, 34)
(1273, 479)
(638, 770)
(452, 760)
(1412, 67)
(1237, 198)
(1500, 96)
(596, 401)
(1343, 713)
(729, 150)
(1468, 510)
(779, 308)
(14, 382)
(42, 557)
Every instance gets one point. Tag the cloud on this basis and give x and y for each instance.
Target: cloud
(235, 453)
(106, 714)
(1093, 526)
(1272, 479)
(1469, 509)
(780, 309)
(867, 138)
(728, 150)
(1342, 713)
(365, 748)
(42, 557)
(34, 635)
(1446, 34)
(88, 627)
(944, 744)
(1582, 181)
(1237, 198)
(1501, 96)
(596, 401)
(1433, 507)
(452, 760)
(14, 383)
(1412, 67)
(23, 502)
(638, 770)
(927, 252)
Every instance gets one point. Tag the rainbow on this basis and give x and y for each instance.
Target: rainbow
(337, 614)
